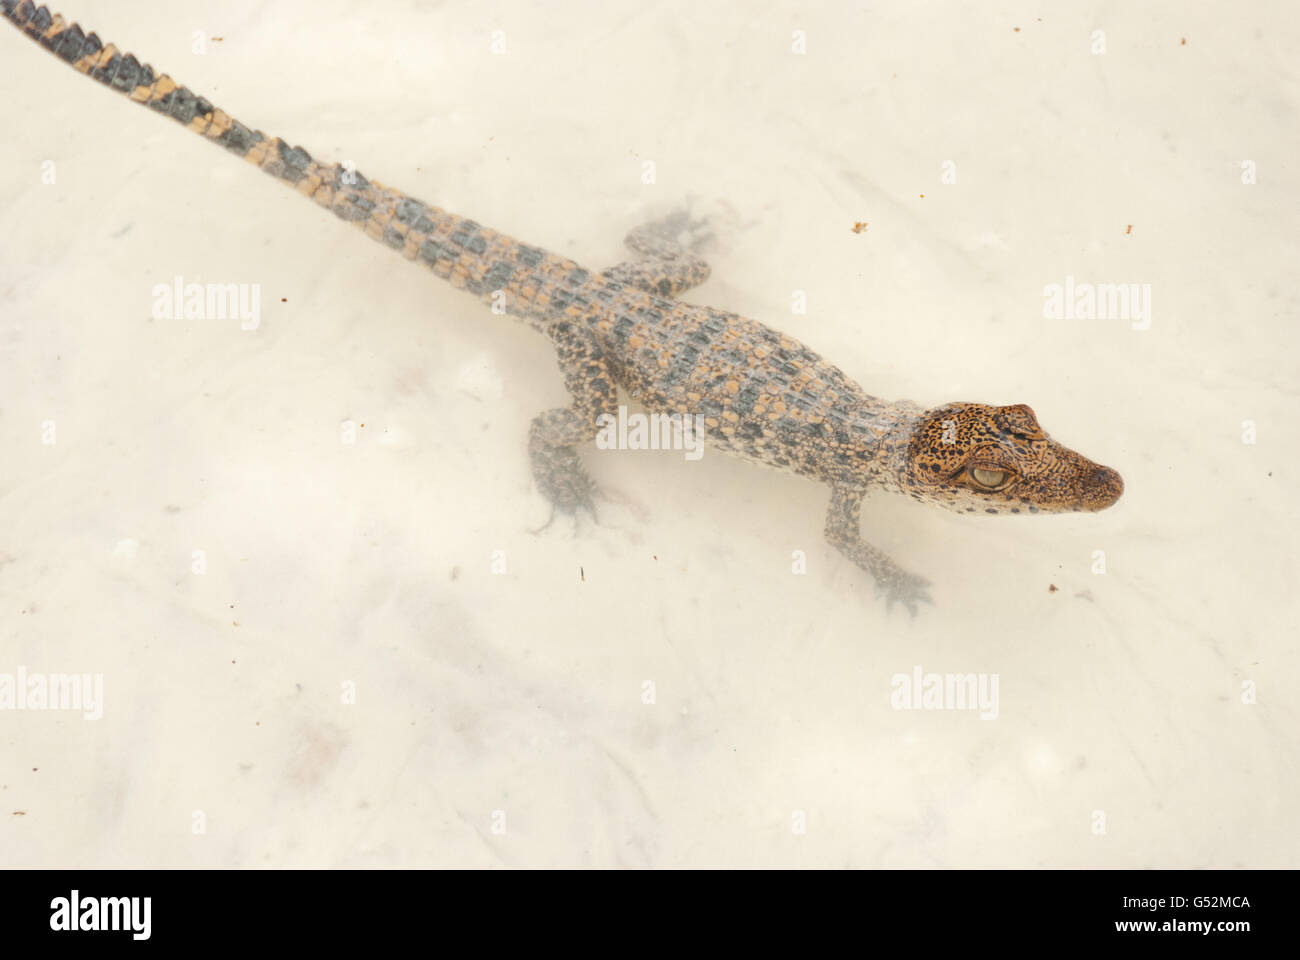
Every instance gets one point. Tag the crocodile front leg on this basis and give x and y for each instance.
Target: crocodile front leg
(842, 521)
(555, 434)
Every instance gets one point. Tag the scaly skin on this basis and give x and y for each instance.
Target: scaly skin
(764, 396)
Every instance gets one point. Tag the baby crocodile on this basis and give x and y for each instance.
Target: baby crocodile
(763, 395)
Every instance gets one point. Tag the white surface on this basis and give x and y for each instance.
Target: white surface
(369, 564)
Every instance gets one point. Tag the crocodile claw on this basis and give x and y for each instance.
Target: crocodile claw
(907, 589)
(568, 487)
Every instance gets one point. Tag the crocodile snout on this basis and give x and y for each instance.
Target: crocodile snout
(1102, 487)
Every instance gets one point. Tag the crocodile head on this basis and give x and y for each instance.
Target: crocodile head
(978, 458)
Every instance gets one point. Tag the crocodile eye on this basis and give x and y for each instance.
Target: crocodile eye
(988, 478)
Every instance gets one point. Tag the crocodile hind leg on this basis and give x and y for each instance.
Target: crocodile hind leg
(842, 520)
(665, 276)
(667, 266)
(555, 434)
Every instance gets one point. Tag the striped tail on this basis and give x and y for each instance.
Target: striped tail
(530, 282)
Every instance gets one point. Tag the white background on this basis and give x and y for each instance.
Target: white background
(368, 564)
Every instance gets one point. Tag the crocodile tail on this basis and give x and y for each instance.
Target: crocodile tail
(458, 249)
(142, 84)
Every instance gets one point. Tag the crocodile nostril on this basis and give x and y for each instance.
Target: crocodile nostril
(1106, 485)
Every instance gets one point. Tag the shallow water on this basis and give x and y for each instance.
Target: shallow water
(201, 535)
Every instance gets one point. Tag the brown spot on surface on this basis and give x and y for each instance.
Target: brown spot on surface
(315, 754)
